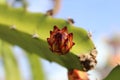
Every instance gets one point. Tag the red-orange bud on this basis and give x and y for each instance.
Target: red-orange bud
(60, 41)
(77, 75)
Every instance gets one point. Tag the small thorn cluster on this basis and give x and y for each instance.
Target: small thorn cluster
(89, 34)
(50, 12)
(93, 53)
(13, 27)
(60, 41)
(70, 21)
(35, 35)
(89, 61)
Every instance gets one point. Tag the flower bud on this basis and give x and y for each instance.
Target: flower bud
(60, 41)
(77, 75)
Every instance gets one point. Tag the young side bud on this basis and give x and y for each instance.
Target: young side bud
(77, 75)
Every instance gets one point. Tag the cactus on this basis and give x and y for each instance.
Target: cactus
(30, 30)
(38, 46)
(42, 24)
(16, 28)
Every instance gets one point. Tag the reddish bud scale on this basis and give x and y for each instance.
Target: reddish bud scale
(77, 75)
(60, 41)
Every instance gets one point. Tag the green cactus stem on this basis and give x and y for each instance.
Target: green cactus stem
(28, 24)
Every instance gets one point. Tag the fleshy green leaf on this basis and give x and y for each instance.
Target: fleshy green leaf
(114, 74)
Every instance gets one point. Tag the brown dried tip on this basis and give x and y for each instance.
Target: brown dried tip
(70, 21)
(49, 12)
(88, 61)
(77, 75)
(60, 41)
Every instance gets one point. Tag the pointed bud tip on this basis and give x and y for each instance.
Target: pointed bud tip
(51, 32)
(48, 39)
(71, 34)
(55, 27)
(65, 28)
(73, 43)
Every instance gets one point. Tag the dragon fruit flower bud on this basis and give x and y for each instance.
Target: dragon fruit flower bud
(77, 75)
(60, 41)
